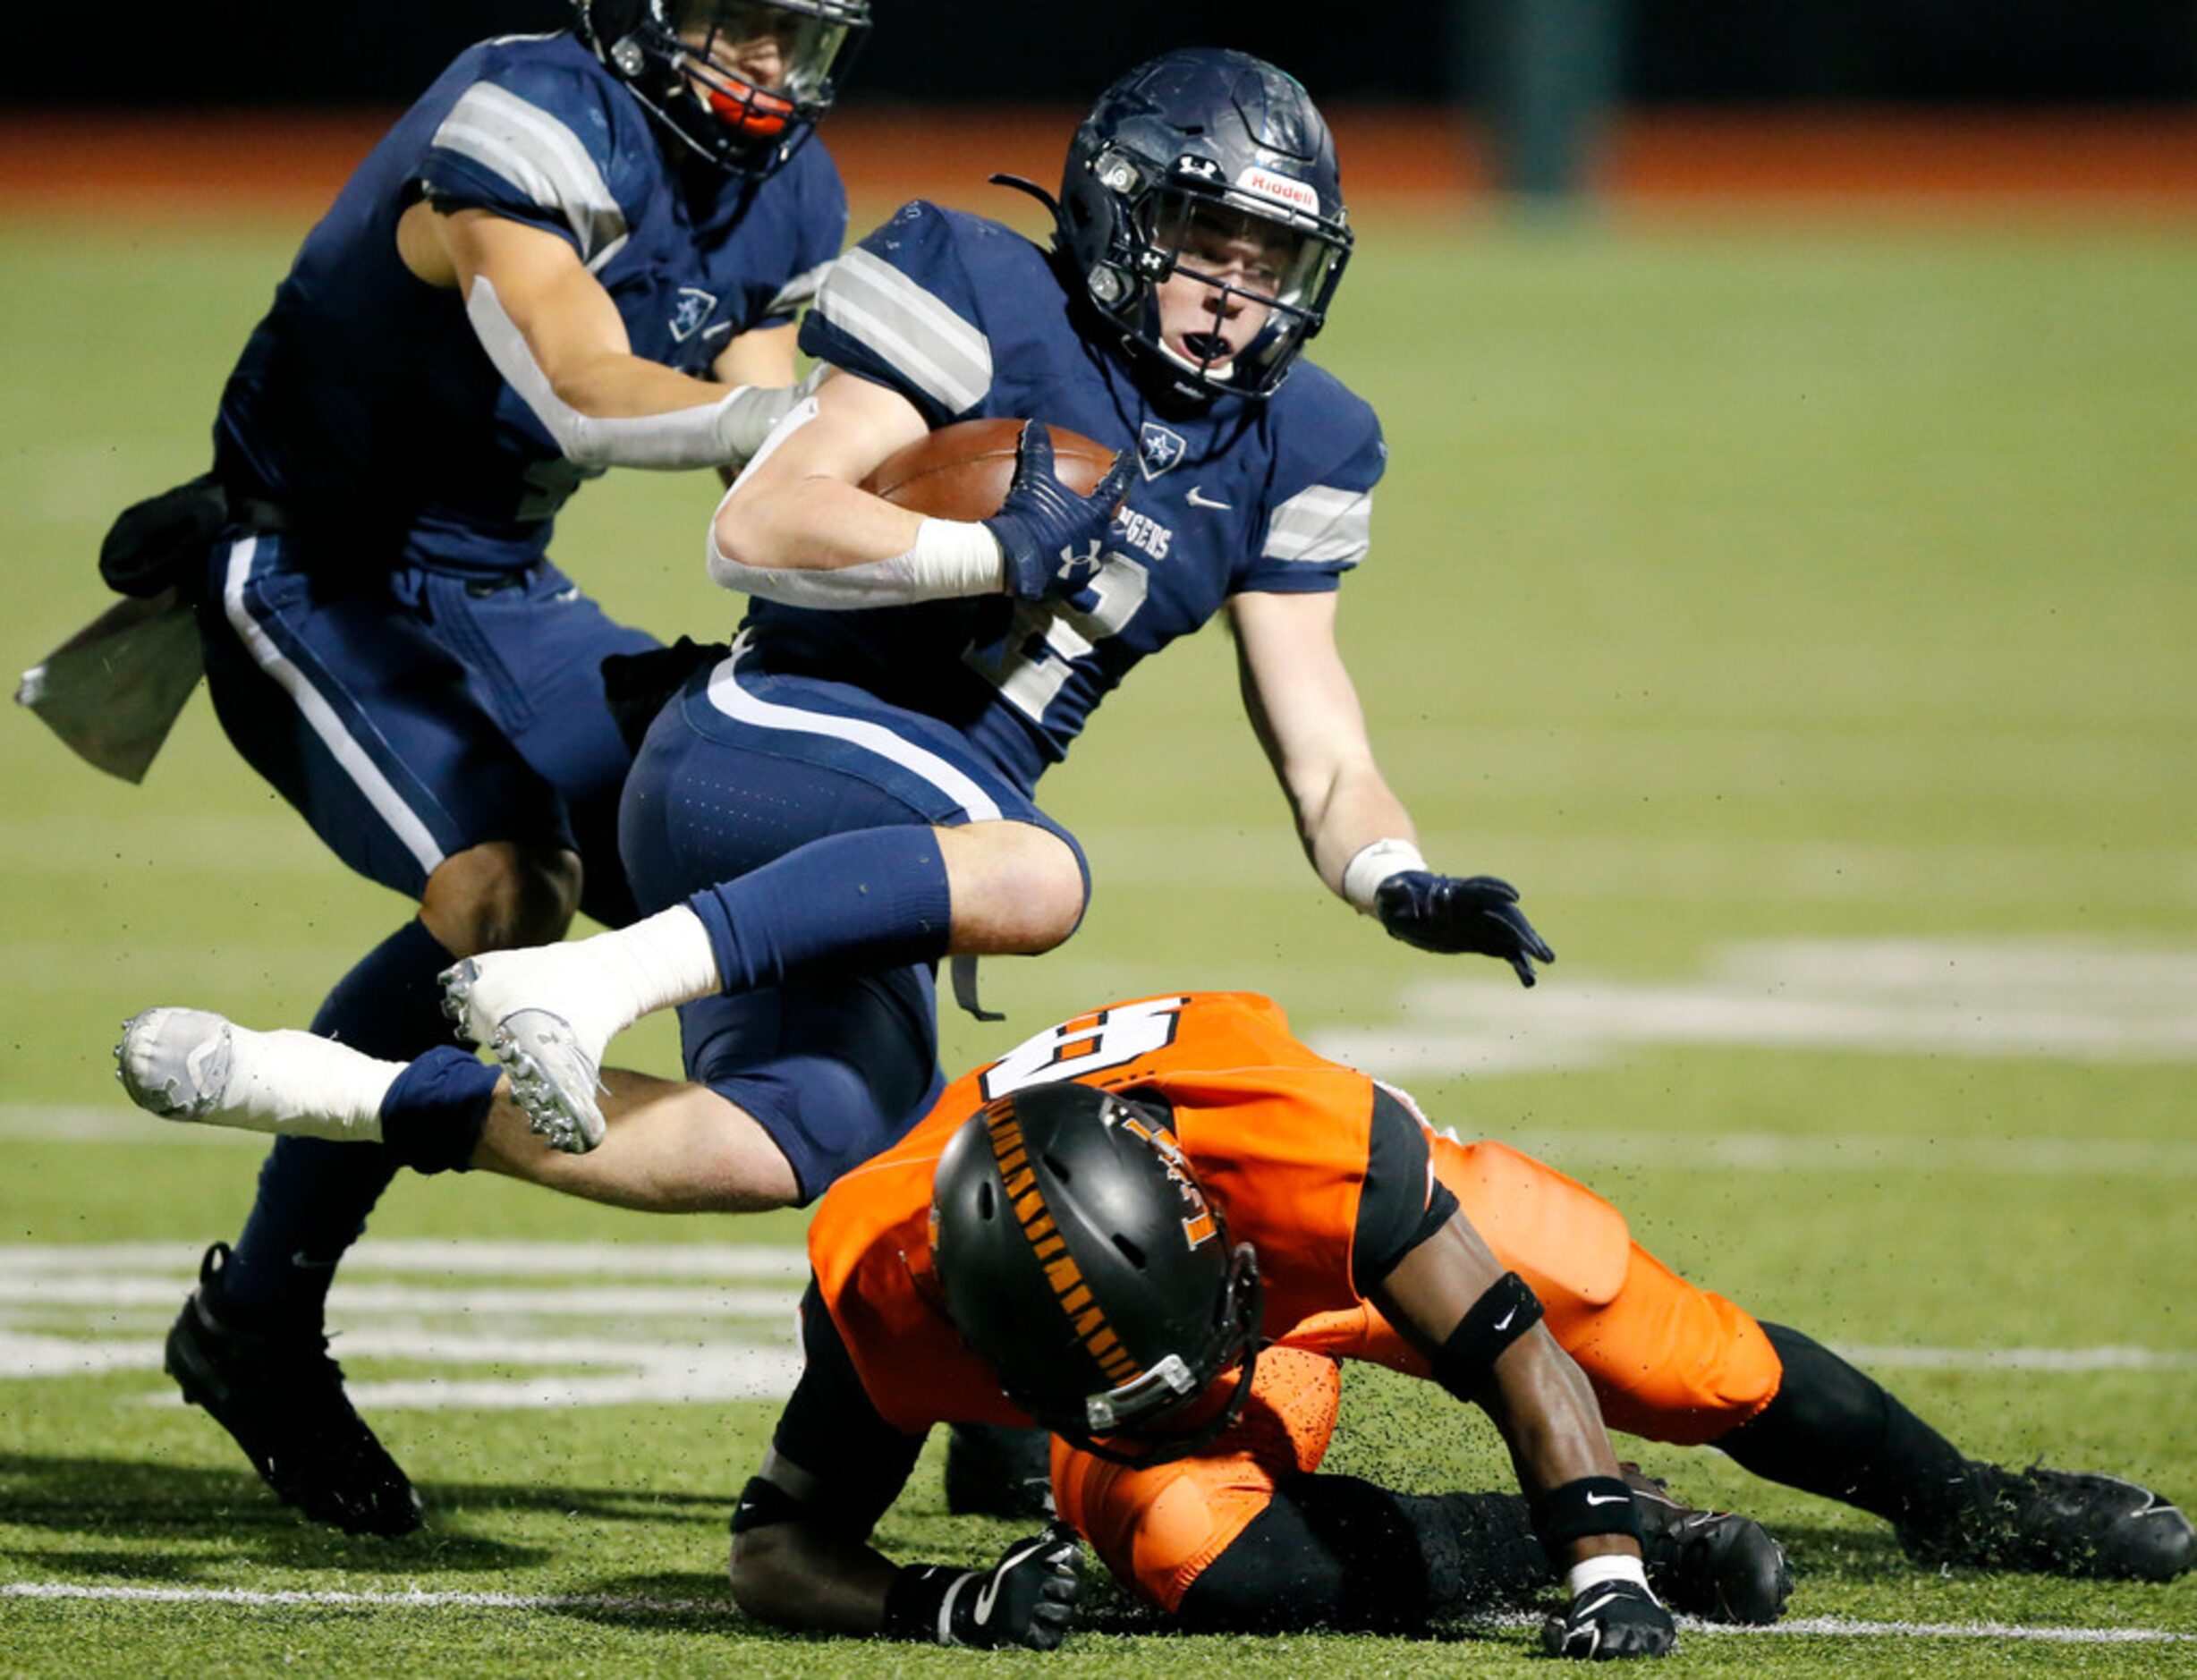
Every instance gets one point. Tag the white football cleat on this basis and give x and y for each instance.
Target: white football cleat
(174, 1062)
(196, 1067)
(532, 1010)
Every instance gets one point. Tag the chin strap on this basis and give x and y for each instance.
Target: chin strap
(1019, 184)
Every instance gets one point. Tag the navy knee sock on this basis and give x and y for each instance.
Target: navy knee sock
(875, 898)
(314, 1195)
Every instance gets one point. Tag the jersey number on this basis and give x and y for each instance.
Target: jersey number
(1045, 638)
(1090, 1044)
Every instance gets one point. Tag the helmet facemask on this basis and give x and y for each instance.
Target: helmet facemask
(1136, 1422)
(740, 81)
(1263, 284)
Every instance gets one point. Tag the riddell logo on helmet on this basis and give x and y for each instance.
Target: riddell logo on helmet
(1266, 185)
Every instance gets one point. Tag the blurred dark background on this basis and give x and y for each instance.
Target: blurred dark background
(1676, 52)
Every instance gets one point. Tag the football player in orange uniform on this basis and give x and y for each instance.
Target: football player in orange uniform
(1155, 1229)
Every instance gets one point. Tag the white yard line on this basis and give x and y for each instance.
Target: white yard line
(452, 1257)
(596, 1323)
(1821, 1626)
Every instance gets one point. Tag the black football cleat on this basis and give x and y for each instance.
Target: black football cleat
(995, 1471)
(2057, 1523)
(282, 1397)
(1709, 1563)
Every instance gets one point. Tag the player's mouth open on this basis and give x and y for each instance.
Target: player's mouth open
(1202, 349)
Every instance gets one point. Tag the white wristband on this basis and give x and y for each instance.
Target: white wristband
(954, 557)
(951, 559)
(1607, 1566)
(946, 1606)
(1370, 865)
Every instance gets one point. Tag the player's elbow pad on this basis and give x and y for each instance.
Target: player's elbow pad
(722, 433)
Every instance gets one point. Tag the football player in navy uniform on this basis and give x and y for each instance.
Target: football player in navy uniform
(847, 797)
(578, 250)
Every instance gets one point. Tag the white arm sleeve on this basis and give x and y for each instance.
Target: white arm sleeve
(708, 434)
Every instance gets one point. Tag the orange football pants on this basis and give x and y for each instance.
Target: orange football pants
(1666, 1360)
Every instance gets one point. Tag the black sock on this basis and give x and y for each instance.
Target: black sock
(1834, 1431)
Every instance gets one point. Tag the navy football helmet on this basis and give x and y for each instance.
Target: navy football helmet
(741, 82)
(1196, 152)
(1080, 1260)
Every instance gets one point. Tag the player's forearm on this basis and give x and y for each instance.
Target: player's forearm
(795, 1576)
(817, 541)
(1346, 811)
(606, 407)
(617, 384)
(1540, 1402)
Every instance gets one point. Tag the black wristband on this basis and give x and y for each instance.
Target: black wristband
(1593, 1505)
(915, 1603)
(1505, 1311)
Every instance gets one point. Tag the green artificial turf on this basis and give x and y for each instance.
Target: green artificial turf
(1737, 586)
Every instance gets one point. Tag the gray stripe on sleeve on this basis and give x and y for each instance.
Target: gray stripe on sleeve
(1321, 524)
(538, 154)
(874, 303)
(798, 292)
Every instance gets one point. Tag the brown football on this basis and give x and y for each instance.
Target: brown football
(961, 471)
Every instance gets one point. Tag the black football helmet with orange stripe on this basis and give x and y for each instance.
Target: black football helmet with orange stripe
(1079, 1258)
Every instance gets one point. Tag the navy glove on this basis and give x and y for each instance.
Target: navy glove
(1440, 913)
(1053, 539)
(1611, 1620)
(1027, 1598)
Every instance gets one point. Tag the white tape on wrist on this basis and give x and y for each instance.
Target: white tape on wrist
(951, 558)
(1370, 865)
(1609, 1566)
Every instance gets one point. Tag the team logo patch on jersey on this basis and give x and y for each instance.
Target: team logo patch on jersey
(1159, 449)
(695, 306)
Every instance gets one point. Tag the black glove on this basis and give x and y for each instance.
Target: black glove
(1054, 540)
(636, 686)
(1440, 913)
(1026, 1599)
(1615, 1618)
(164, 540)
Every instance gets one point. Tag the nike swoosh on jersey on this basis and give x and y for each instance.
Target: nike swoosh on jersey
(1607, 1498)
(1197, 497)
(1504, 1322)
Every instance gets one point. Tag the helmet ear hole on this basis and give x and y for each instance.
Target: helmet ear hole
(1059, 1169)
(985, 1203)
(1130, 1252)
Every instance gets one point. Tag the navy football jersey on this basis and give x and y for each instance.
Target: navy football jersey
(968, 320)
(363, 401)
